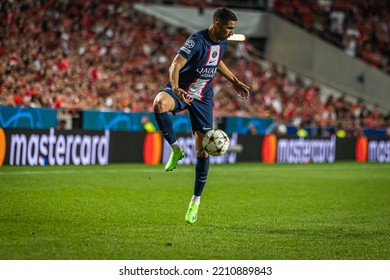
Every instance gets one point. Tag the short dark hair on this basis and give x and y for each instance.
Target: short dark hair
(224, 15)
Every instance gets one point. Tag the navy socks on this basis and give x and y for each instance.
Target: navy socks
(164, 123)
(201, 171)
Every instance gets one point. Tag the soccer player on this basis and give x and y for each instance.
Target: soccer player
(190, 87)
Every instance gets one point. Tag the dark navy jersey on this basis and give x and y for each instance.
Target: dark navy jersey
(203, 57)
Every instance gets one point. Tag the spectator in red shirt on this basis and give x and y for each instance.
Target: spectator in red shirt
(18, 99)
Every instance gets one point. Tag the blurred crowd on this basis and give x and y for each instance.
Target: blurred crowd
(78, 55)
(361, 27)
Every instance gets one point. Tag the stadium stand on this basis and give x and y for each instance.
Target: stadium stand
(361, 28)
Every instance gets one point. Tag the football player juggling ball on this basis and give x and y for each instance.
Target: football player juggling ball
(190, 88)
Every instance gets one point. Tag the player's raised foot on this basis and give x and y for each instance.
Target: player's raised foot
(192, 213)
(173, 159)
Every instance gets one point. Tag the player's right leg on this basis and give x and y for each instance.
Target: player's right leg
(164, 103)
(201, 172)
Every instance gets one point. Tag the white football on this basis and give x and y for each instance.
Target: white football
(215, 142)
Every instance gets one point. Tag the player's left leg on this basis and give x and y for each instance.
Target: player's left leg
(201, 172)
(163, 103)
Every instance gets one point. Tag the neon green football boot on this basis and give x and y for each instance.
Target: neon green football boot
(173, 159)
(192, 213)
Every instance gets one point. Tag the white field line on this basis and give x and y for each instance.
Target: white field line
(191, 169)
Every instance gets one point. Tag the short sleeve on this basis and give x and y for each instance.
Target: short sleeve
(190, 47)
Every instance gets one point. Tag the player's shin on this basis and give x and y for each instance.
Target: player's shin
(164, 123)
(201, 172)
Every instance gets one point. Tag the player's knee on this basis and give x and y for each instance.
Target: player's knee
(160, 104)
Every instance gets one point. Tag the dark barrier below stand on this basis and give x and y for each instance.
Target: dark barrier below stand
(85, 147)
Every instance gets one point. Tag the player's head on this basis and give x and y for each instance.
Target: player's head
(224, 21)
(224, 15)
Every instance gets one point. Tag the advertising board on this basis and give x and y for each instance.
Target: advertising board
(20, 147)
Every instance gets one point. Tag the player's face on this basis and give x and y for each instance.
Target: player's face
(225, 30)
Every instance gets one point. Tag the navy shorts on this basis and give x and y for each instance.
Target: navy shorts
(201, 112)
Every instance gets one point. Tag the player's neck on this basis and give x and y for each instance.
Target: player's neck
(211, 32)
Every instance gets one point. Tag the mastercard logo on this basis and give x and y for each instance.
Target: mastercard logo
(3, 146)
(361, 151)
(268, 149)
(152, 148)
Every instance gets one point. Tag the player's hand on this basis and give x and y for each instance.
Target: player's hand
(242, 89)
(183, 95)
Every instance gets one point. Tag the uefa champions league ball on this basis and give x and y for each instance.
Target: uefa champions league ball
(215, 142)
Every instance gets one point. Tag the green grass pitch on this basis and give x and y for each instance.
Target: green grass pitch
(248, 211)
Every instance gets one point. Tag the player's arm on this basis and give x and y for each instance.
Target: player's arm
(177, 64)
(241, 88)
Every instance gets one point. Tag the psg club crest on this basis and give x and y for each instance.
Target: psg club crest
(213, 56)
